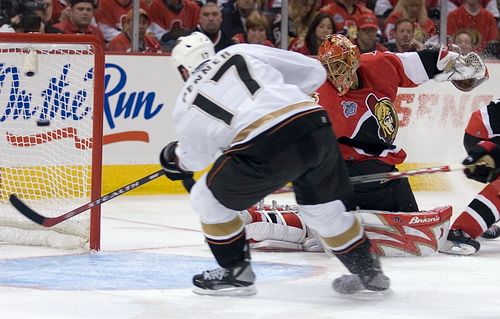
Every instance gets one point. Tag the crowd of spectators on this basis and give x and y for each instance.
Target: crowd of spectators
(394, 25)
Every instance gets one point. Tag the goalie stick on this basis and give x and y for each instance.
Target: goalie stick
(384, 177)
(51, 221)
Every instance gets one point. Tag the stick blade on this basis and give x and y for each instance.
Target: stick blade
(26, 210)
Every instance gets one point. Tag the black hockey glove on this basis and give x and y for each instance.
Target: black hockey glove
(483, 161)
(168, 161)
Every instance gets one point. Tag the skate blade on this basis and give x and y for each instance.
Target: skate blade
(457, 249)
(228, 292)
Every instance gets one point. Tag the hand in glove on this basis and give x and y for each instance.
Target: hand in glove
(169, 162)
(483, 162)
(456, 67)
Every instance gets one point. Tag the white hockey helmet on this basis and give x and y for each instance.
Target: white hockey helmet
(190, 51)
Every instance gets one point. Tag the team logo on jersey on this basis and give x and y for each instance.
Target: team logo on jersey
(386, 116)
(349, 107)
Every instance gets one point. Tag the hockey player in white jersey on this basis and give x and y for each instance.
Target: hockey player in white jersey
(248, 108)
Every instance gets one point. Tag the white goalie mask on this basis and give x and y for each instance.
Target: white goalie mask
(190, 51)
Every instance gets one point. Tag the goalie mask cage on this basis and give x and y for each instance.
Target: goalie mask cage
(51, 113)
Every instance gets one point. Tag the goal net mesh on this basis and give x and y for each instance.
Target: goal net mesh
(46, 139)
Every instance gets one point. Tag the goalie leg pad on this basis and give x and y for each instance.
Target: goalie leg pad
(406, 234)
(274, 229)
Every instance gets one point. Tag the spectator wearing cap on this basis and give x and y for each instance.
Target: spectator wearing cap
(79, 22)
(404, 36)
(366, 39)
(123, 41)
(61, 10)
(111, 14)
(321, 26)
(173, 18)
(257, 26)
(210, 24)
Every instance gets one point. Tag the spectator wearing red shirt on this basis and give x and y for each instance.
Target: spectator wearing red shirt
(123, 43)
(321, 26)
(61, 10)
(416, 12)
(173, 18)
(111, 14)
(82, 12)
(366, 39)
(472, 16)
(346, 13)
(490, 5)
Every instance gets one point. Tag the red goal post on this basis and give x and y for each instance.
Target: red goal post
(51, 127)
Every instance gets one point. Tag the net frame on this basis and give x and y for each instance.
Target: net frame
(65, 41)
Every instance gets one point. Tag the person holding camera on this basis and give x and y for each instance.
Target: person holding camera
(35, 16)
(26, 15)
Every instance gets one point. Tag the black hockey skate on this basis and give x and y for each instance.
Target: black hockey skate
(492, 232)
(366, 272)
(460, 243)
(233, 281)
(351, 284)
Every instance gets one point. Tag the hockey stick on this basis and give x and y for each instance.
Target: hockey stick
(51, 221)
(384, 177)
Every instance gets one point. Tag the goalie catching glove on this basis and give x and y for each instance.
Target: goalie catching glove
(482, 162)
(170, 163)
(464, 71)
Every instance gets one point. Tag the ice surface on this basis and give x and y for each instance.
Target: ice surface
(151, 246)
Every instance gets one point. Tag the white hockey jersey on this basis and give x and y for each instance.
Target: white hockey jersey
(229, 99)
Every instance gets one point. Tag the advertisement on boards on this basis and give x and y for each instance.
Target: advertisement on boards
(140, 92)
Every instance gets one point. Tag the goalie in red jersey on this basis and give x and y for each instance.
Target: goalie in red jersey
(359, 96)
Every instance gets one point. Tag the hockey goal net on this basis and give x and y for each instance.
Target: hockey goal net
(51, 112)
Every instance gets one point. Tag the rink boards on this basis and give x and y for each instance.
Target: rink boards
(138, 122)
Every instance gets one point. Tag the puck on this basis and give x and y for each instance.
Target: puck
(44, 122)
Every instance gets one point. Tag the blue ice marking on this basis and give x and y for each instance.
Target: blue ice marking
(118, 271)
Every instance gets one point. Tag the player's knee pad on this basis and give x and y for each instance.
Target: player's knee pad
(328, 219)
(208, 207)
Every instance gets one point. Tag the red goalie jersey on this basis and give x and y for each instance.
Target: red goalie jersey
(364, 120)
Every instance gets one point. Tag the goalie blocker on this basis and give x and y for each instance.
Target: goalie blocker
(280, 228)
